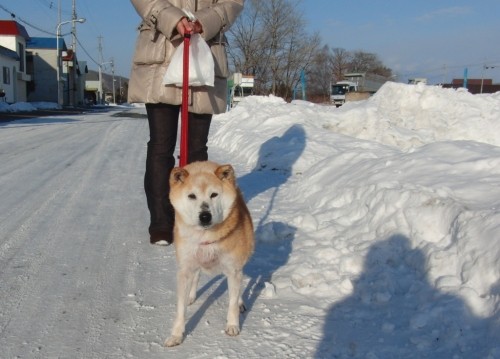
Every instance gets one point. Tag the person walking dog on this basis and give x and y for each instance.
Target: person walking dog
(164, 23)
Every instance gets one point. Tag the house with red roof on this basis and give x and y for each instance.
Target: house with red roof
(28, 68)
(14, 77)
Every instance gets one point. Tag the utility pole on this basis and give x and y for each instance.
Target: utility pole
(113, 72)
(70, 76)
(73, 27)
(445, 74)
(101, 64)
(482, 74)
(59, 13)
(99, 90)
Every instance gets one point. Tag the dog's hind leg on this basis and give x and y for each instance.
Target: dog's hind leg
(234, 278)
(194, 287)
(185, 278)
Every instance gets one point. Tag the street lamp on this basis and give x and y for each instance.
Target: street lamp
(482, 74)
(58, 56)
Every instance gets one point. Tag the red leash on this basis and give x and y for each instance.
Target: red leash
(185, 103)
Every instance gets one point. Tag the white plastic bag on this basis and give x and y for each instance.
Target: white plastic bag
(201, 64)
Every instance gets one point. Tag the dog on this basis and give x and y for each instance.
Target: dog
(213, 232)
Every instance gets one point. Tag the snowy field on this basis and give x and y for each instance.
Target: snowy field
(377, 227)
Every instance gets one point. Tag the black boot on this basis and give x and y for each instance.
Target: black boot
(161, 238)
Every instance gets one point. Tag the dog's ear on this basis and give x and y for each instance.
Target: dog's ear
(225, 173)
(178, 175)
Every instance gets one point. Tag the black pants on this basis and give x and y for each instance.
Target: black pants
(163, 123)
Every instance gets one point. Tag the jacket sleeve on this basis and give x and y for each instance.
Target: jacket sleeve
(163, 16)
(218, 17)
(159, 14)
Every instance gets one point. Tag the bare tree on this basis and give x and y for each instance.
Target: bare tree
(320, 74)
(368, 62)
(269, 40)
(279, 22)
(299, 54)
(340, 63)
(246, 40)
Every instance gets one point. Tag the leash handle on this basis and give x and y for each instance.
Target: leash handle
(185, 103)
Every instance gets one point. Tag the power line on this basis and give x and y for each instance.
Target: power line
(51, 6)
(48, 3)
(447, 68)
(14, 16)
(86, 52)
(17, 18)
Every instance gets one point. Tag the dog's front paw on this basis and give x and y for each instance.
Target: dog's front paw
(232, 330)
(173, 341)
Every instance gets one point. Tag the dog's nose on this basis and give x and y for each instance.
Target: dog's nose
(205, 218)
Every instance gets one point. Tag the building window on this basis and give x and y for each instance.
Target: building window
(6, 75)
(22, 57)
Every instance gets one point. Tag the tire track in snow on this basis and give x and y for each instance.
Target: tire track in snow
(21, 250)
(62, 202)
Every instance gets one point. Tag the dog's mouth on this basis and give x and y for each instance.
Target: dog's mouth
(205, 219)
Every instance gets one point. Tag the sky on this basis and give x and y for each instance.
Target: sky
(432, 39)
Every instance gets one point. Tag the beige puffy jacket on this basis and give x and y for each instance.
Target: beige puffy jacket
(158, 39)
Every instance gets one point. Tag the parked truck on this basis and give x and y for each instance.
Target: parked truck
(355, 86)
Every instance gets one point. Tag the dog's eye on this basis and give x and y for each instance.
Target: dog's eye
(213, 195)
(192, 196)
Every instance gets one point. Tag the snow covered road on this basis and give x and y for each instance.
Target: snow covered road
(78, 277)
(71, 208)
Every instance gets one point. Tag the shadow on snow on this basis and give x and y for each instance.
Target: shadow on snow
(394, 312)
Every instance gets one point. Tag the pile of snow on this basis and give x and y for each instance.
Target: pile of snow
(28, 106)
(136, 105)
(409, 116)
(393, 202)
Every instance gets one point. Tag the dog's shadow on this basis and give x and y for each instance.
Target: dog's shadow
(273, 249)
(273, 239)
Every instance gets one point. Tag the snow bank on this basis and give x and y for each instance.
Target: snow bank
(415, 162)
(408, 116)
(28, 106)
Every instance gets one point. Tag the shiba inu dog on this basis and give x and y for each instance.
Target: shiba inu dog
(213, 232)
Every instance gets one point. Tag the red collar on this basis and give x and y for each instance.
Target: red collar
(206, 243)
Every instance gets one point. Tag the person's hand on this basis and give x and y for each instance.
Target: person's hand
(184, 26)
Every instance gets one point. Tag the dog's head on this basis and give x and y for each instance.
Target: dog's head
(203, 193)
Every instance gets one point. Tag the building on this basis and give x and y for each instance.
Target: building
(43, 61)
(92, 87)
(28, 71)
(14, 76)
(42, 57)
(475, 86)
(117, 94)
